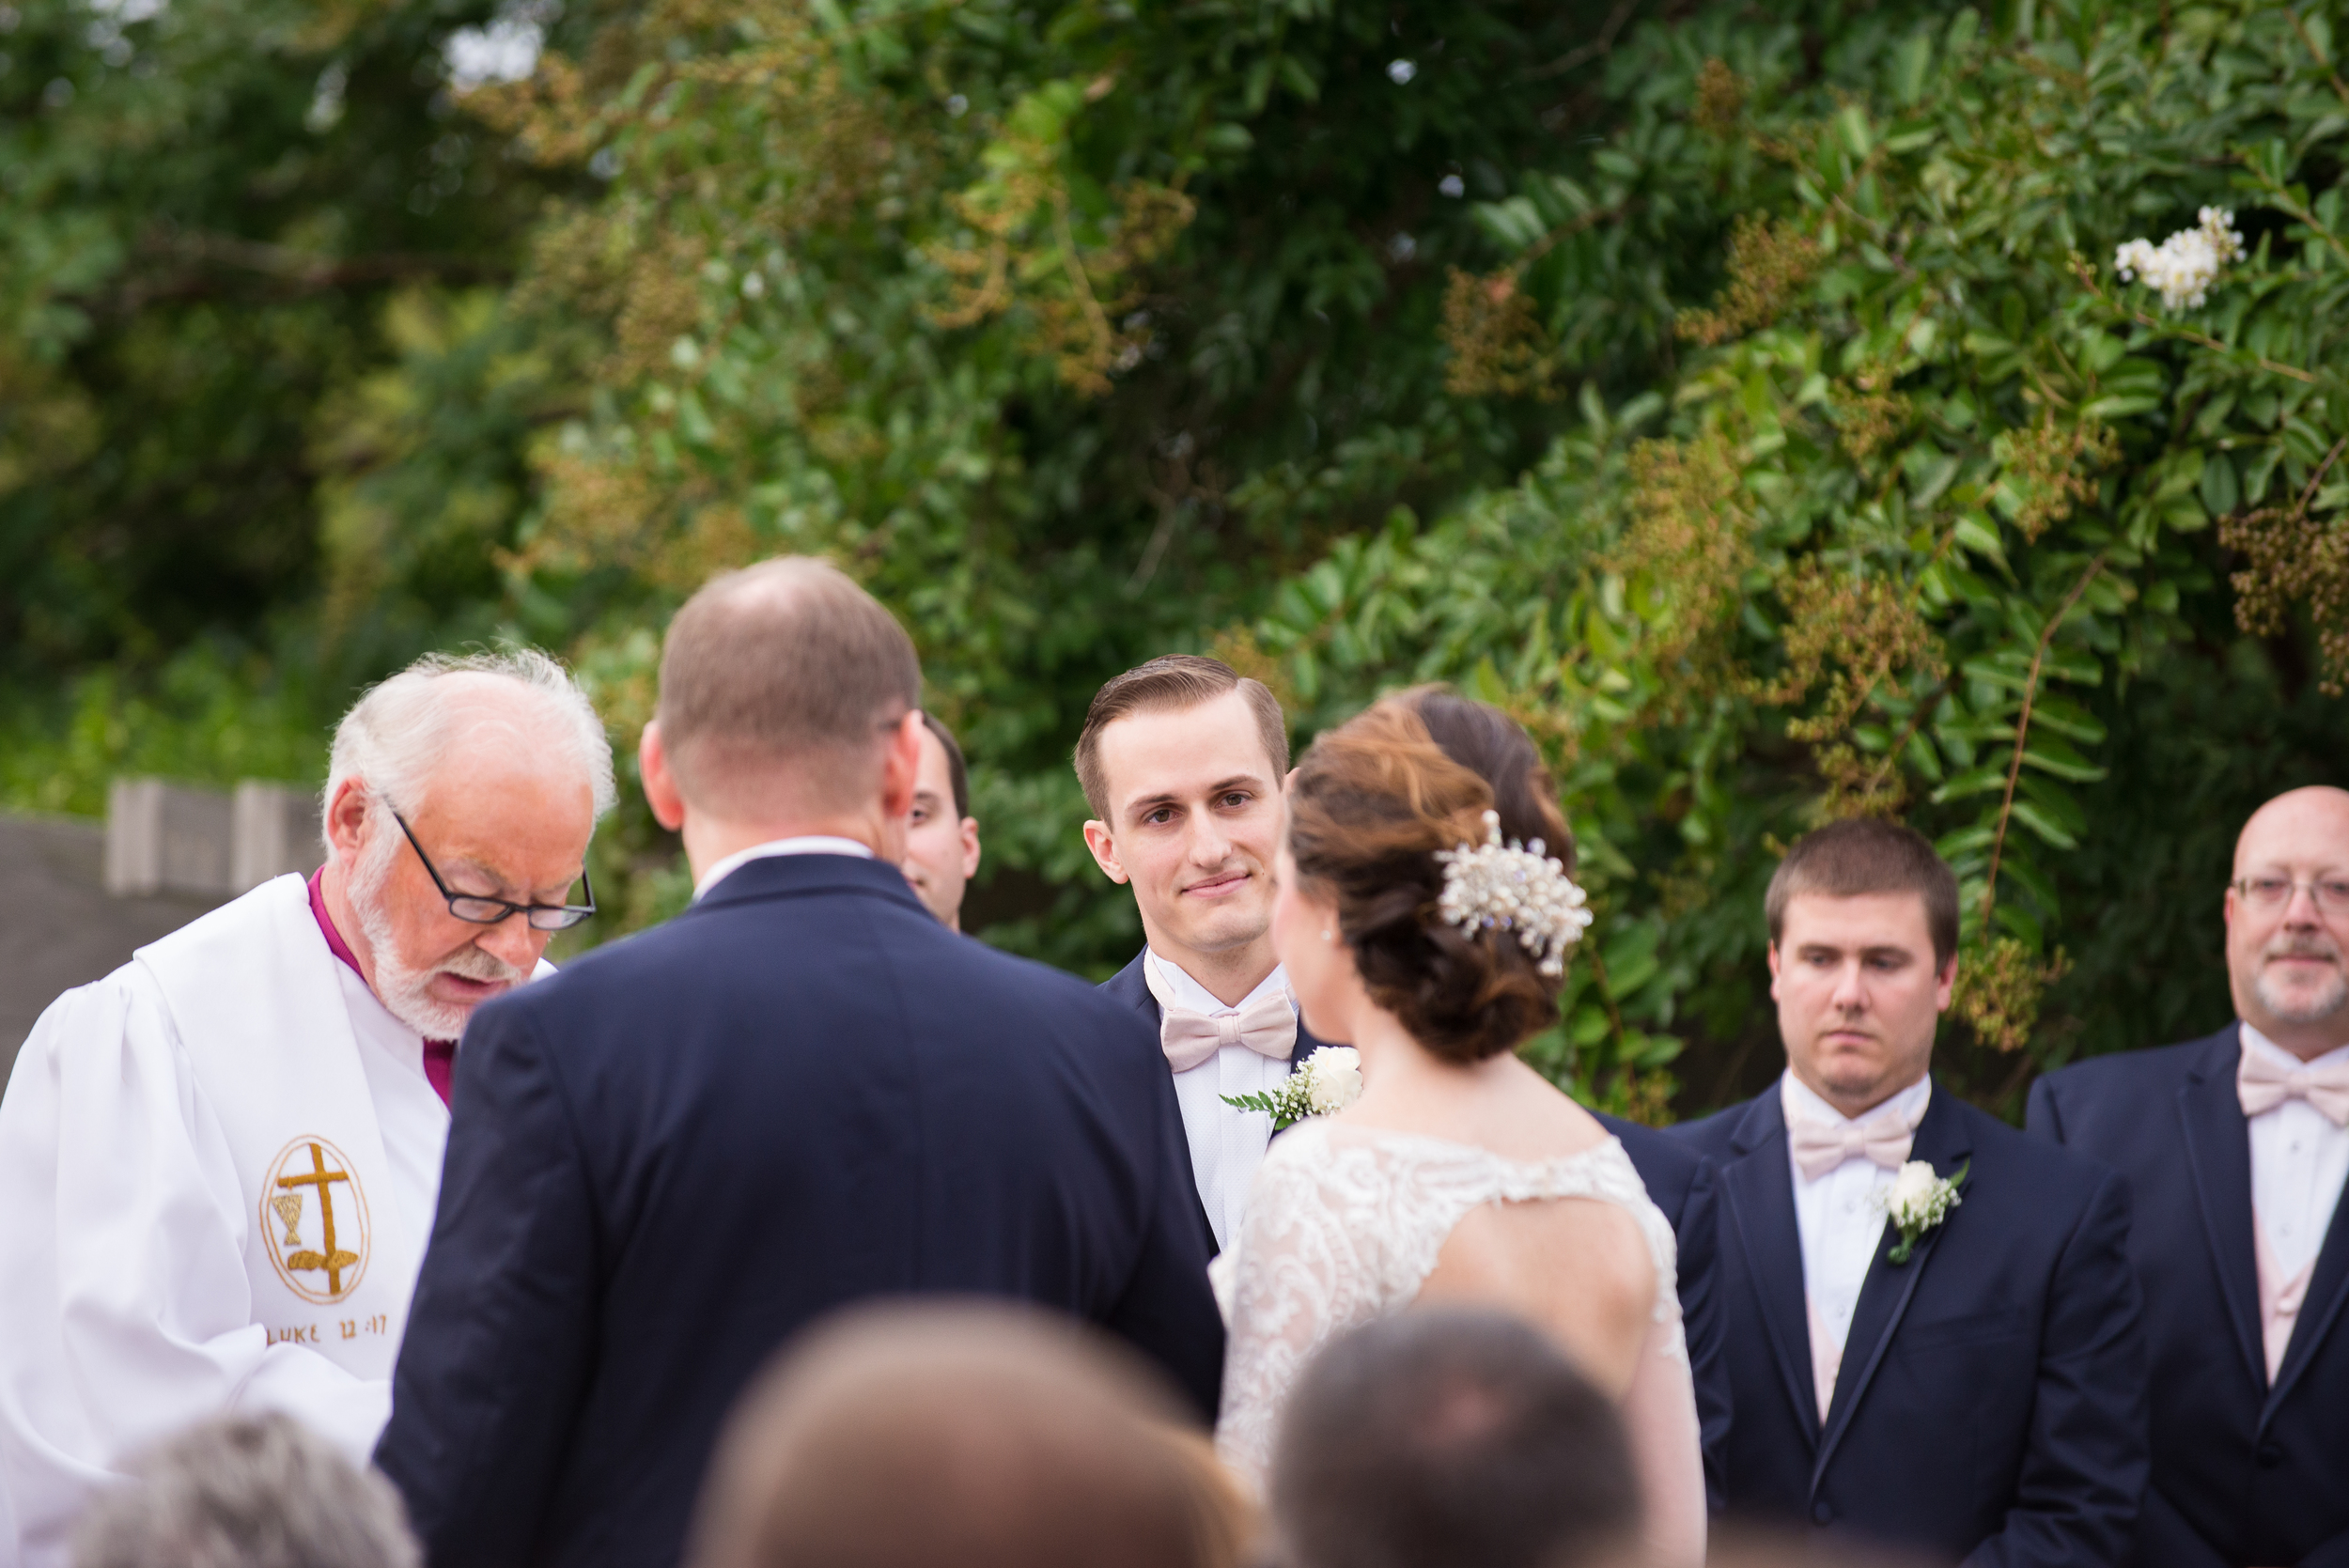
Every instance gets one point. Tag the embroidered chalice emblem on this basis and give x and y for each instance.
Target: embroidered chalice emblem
(332, 1271)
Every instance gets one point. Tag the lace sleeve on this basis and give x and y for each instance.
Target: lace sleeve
(1659, 1414)
(1295, 1281)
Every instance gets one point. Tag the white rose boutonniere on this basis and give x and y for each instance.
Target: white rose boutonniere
(1917, 1202)
(1323, 1084)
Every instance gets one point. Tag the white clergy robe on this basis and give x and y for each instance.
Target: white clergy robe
(220, 1164)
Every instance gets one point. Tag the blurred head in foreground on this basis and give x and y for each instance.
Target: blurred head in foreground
(247, 1491)
(1452, 1438)
(961, 1437)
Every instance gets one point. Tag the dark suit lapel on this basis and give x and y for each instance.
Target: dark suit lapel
(1942, 1138)
(1757, 1197)
(2218, 1147)
(1134, 986)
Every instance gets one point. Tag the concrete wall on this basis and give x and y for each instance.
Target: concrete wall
(58, 925)
(77, 899)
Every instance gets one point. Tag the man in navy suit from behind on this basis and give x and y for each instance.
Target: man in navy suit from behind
(1182, 760)
(802, 1092)
(1983, 1398)
(2237, 1143)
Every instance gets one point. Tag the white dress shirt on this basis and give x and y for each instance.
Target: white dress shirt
(2298, 1161)
(1226, 1143)
(810, 843)
(1838, 1216)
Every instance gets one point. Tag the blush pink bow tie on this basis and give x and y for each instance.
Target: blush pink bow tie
(1268, 1027)
(1821, 1146)
(2262, 1085)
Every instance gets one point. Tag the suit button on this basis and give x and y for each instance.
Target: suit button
(2268, 1456)
(1822, 1515)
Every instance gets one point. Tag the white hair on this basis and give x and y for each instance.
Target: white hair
(403, 728)
(258, 1491)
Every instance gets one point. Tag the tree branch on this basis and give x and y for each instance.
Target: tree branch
(2022, 735)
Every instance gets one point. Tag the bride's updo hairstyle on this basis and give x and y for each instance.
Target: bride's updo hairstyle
(1371, 804)
(1493, 746)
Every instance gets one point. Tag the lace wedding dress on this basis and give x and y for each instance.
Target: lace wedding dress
(1344, 1225)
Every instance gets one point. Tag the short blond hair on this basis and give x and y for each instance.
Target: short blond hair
(1170, 684)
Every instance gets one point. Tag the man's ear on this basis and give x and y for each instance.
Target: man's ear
(1944, 984)
(660, 789)
(1104, 847)
(901, 764)
(346, 820)
(1772, 950)
(969, 848)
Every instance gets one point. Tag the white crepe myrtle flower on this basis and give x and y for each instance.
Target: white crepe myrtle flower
(2181, 268)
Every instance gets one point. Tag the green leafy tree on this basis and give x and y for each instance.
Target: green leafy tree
(1749, 402)
(218, 222)
(1932, 498)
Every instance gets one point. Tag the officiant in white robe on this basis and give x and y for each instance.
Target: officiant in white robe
(221, 1161)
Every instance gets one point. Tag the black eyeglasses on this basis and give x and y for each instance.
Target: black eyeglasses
(476, 910)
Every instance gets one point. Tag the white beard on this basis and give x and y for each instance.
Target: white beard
(406, 991)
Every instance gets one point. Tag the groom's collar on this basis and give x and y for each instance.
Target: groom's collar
(798, 876)
(803, 844)
(1174, 987)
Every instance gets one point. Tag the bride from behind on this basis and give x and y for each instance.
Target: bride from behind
(1460, 1175)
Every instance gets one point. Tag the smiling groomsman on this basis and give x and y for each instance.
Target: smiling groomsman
(2237, 1143)
(1182, 761)
(1973, 1388)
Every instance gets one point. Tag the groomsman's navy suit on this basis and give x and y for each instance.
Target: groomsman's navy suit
(1990, 1403)
(1678, 1183)
(666, 1159)
(2243, 1473)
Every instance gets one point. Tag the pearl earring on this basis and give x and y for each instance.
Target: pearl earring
(1328, 936)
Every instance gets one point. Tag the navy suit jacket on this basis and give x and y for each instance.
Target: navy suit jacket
(2243, 1473)
(801, 1093)
(1991, 1401)
(1678, 1182)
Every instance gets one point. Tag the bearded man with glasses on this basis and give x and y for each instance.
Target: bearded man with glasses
(2236, 1147)
(221, 1161)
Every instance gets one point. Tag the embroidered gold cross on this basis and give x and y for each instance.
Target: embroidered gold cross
(330, 1261)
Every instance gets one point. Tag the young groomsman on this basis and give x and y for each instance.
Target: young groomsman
(2236, 1142)
(1182, 762)
(1980, 1393)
